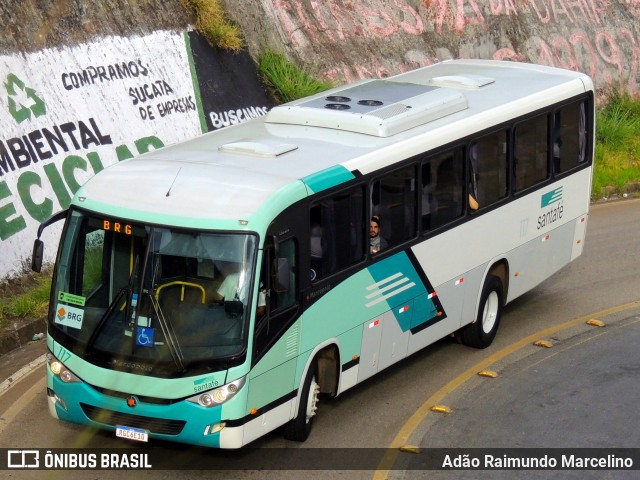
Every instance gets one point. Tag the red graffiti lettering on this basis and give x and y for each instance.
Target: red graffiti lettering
(415, 28)
(545, 56)
(609, 51)
(558, 8)
(282, 7)
(510, 7)
(547, 16)
(462, 20)
(564, 53)
(379, 23)
(582, 7)
(632, 81)
(592, 61)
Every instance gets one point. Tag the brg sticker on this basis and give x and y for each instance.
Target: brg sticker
(69, 316)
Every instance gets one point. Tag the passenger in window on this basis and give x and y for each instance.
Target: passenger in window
(473, 185)
(473, 203)
(376, 242)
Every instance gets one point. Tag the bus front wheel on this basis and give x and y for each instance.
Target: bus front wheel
(299, 428)
(481, 333)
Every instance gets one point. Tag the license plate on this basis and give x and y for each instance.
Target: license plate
(130, 433)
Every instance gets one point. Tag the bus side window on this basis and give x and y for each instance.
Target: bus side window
(489, 168)
(531, 162)
(284, 299)
(317, 244)
(442, 189)
(393, 204)
(336, 232)
(569, 137)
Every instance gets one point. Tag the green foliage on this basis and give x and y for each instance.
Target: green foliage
(212, 22)
(289, 81)
(31, 302)
(617, 153)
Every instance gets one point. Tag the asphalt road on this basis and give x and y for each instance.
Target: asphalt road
(392, 409)
(575, 400)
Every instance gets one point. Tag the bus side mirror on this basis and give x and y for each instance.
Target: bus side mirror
(38, 245)
(37, 256)
(282, 275)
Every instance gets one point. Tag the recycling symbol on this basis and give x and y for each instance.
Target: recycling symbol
(23, 101)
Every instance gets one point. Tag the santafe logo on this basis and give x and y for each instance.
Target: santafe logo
(551, 199)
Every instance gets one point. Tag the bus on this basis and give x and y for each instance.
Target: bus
(210, 291)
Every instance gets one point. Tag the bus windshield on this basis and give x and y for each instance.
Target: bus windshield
(152, 300)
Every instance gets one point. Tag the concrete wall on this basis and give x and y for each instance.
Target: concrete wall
(348, 40)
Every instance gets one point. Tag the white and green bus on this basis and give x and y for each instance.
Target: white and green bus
(208, 292)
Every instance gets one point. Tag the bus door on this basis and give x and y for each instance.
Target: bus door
(276, 336)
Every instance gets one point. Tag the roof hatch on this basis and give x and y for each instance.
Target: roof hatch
(377, 107)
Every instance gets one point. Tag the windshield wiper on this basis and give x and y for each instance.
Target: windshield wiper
(169, 334)
(167, 329)
(112, 306)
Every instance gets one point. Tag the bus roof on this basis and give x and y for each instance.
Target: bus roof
(318, 142)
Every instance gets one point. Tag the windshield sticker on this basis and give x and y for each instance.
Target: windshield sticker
(69, 316)
(71, 298)
(144, 336)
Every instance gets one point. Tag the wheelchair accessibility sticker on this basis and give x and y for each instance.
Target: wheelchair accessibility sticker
(144, 336)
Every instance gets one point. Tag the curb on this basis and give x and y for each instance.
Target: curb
(21, 334)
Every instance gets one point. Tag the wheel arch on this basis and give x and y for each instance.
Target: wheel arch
(482, 330)
(326, 357)
(498, 267)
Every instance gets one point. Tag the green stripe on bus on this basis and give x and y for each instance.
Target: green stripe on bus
(328, 178)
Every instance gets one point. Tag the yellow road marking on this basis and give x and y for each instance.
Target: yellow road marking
(402, 437)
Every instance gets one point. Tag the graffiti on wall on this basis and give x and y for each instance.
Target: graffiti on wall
(595, 36)
(67, 114)
(233, 94)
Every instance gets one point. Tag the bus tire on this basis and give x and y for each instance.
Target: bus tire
(299, 428)
(481, 333)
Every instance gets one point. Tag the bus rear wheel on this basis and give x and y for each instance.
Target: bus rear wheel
(481, 333)
(299, 428)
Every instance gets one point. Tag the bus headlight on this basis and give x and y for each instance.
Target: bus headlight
(59, 370)
(217, 396)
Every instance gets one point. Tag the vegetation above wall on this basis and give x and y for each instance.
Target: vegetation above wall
(212, 21)
(288, 81)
